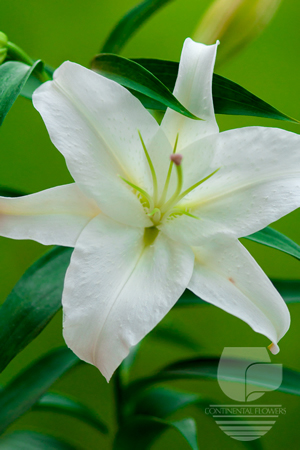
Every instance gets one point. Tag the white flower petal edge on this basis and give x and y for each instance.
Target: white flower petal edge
(117, 289)
(55, 216)
(227, 276)
(94, 123)
(193, 89)
(258, 180)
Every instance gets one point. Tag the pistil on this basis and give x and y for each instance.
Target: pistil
(166, 186)
(176, 159)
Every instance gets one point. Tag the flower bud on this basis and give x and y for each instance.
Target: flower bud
(3, 46)
(235, 23)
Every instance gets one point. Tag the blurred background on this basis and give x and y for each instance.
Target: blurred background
(270, 68)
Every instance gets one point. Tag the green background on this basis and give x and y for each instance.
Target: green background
(270, 67)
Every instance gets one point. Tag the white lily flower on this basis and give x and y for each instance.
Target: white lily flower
(145, 227)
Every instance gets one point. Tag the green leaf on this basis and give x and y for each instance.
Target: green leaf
(173, 335)
(130, 23)
(188, 298)
(162, 402)
(140, 432)
(58, 403)
(33, 83)
(277, 240)
(30, 440)
(207, 368)
(10, 192)
(13, 76)
(228, 97)
(124, 370)
(30, 86)
(288, 289)
(134, 76)
(32, 303)
(28, 386)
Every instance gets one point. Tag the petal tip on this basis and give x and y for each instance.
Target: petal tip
(273, 348)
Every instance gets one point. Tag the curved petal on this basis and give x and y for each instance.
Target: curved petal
(94, 123)
(117, 289)
(52, 217)
(227, 276)
(258, 181)
(189, 230)
(193, 89)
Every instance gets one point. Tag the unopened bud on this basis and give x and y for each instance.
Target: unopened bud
(176, 158)
(235, 23)
(3, 46)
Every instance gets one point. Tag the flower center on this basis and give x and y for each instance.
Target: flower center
(158, 209)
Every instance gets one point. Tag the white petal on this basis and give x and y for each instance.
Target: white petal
(188, 230)
(53, 217)
(194, 90)
(227, 276)
(117, 289)
(258, 181)
(94, 123)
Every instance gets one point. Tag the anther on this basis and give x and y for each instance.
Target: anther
(176, 158)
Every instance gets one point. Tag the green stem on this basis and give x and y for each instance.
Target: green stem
(17, 54)
(118, 388)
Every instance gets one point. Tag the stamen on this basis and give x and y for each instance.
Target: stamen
(153, 173)
(186, 213)
(179, 212)
(166, 186)
(187, 191)
(176, 159)
(141, 191)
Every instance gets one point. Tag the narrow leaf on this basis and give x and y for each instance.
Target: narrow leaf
(10, 192)
(188, 298)
(141, 432)
(30, 86)
(13, 76)
(32, 303)
(272, 238)
(58, 403)
(25, 440)
(206, 368)
(228, 96)
(130, 23)
(33, 83)
(28, 386)
(134, 76)
(173, 335)
(162, 402)
(288, 289)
